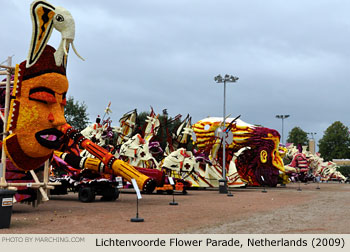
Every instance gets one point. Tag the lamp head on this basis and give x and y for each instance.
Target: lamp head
(218, 78)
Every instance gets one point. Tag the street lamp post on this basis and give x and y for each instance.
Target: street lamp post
(223, 181)
(312, 135)
(282, 117)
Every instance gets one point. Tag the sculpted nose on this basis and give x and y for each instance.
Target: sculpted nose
(51, 118)
(56, 117)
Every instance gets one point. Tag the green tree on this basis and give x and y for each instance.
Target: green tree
(297, 136)
(75, 113)
(166, 123)
(344, 170)
(335, 142)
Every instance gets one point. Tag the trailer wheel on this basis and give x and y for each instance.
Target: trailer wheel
(86, 194)
(110, 194)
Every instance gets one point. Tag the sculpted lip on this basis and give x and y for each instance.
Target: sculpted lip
(49, 138)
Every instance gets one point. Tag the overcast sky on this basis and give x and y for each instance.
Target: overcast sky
(291, 57)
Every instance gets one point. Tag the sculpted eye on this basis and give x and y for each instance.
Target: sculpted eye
(64, 100)
(42, 94)
(59, 18)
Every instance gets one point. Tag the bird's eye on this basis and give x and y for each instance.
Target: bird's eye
(59, 18)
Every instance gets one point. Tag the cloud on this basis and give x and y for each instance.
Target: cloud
(292, 57)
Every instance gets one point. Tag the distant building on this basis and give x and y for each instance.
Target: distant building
(341, 162)
(312, 146)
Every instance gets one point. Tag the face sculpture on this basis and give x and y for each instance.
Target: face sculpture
(258, 165)
(41, 112)
(37, 112)
(261, 164)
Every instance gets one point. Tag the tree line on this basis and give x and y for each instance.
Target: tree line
(335, 143)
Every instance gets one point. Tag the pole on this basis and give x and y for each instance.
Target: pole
(173, 203)
(224, 137)
(137, 219)
(282, 117)
(282, 130)
(223, 181)
(138, 195)
(137, 208)
(299, 188)
(6, 113)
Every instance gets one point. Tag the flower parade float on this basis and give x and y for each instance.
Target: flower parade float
(36, 125)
